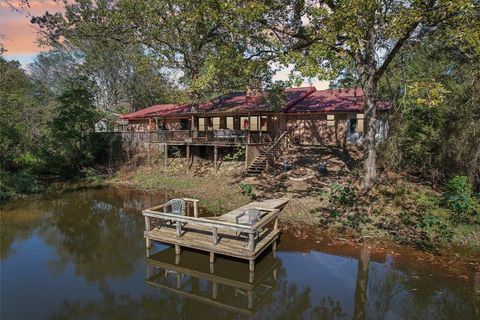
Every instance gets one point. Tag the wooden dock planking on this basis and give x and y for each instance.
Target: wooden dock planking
(200, 238)
(217, 235)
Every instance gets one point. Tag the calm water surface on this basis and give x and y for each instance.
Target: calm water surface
(81, 255)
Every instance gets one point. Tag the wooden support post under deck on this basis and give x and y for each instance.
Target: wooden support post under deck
(251, 277)
(165, 154)
(251, 265)
(188, 157)
(215, 158)
(177, 257)
(177, 249)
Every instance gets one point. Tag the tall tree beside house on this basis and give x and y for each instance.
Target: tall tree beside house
(73, 121)
(325, 38)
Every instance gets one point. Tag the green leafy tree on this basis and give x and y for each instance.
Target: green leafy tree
(326, 38)
(73, 121)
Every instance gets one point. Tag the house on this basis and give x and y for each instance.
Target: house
(240, 119)
(322, 117)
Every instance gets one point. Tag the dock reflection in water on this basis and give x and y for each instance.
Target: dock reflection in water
(227, 283)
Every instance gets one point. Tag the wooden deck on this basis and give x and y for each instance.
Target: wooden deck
(241, 291)
(228, 234)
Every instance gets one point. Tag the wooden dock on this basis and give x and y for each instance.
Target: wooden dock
(228, 234)
(241, 291)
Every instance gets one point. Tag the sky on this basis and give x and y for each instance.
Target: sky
(19, 35)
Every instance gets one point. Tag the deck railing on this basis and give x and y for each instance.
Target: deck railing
(163, 136)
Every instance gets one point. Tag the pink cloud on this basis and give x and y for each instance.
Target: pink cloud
(19, 36)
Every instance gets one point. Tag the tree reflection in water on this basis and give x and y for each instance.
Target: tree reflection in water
(100, 234)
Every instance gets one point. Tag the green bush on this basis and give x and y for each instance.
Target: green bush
(340, 195)
(459, 198)
(237, 155)
(247, 189)
(427, 202)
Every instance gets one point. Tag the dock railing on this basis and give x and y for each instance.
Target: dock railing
(216, 226)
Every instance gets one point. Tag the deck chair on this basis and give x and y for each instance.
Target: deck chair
(253, 216)
(177, 206)
(174, 206)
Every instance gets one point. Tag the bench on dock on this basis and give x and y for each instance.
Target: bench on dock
(230, 234)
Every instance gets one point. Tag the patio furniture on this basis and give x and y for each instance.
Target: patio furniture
(175, 206)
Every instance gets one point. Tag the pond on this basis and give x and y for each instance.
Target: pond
(81, 255)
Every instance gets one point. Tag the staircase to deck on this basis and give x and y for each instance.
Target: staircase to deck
(269, 155)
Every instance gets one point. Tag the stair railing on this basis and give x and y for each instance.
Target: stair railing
(277, 149)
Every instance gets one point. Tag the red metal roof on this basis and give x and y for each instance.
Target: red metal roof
(157, 110)
(338, 100)
(298, 100)
(242, 102)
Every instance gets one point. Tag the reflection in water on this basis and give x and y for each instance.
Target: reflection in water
(227, 283)
(81, 255)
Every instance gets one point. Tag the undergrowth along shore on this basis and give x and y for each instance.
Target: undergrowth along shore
(397, 209)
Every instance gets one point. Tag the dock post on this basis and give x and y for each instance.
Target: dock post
(251, 241)
(215, 236)
(179, 229)
(251, 277)
(195, 209)
(274, 248)
(177, 249)
(212, 257)
(251, 265)
(177, 259)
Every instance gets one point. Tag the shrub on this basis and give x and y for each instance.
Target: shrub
(427, 202)
(237, 155)
(459, 198)
(247, 189)
(340, 195)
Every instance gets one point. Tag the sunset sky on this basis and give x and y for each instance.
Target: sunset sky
(19, 35)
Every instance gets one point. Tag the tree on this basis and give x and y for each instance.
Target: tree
(190, 39)
(73, 121)
(326, 38)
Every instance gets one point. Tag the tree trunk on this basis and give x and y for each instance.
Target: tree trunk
(370, 164)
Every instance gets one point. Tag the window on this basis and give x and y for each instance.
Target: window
(202, 124)
(215, 123)
(254, 123)
(263, 123)
(183, 124)
(244, 123)
(353, 126)
(330, 120)
(229, 123)
(360, 122)
(257, 123)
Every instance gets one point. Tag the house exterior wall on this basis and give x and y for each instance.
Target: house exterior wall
(314, 129)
